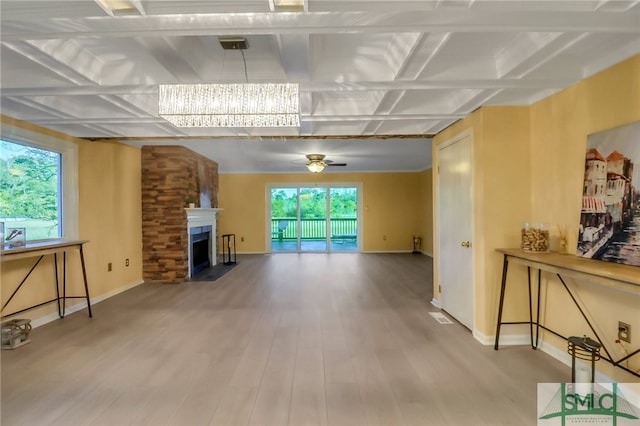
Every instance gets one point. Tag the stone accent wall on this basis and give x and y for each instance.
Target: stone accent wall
(170, 176)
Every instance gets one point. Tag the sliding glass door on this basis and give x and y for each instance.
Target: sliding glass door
(284, 219)
(314, 219)
(344, 219)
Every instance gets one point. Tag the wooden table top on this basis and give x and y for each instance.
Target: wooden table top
(38, 248)
(624, 277)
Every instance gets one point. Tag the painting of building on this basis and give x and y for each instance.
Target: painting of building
(610, 216)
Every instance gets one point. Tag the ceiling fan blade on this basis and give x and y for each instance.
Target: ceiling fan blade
(336, 164)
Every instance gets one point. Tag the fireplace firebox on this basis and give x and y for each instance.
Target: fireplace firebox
(201, 221)
(200, 248)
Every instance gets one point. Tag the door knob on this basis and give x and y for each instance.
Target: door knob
(466, 244)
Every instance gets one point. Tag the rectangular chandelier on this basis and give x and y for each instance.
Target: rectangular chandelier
(230, 105)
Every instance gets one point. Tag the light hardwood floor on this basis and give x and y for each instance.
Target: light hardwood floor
(286, 339)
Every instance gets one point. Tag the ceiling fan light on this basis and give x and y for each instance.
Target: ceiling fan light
(316, 166)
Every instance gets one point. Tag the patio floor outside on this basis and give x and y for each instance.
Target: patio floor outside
(314, 245)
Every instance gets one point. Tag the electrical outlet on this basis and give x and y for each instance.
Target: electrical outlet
(126, 262)
(624, 332)
(109, 267)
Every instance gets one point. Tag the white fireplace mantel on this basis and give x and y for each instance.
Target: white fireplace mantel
(203, 217)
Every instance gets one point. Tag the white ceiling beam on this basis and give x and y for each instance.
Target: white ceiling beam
(101, 120)
(395, 117)
(306, 118)
(439, 126)
(616, 5)
(51, 59)
(48, 9)
(372, 128)
(468, 106)
(170, 57)
(53, 63)
(465, 21)
(310, 87)
(530, 51)
(431, 45)
(58, 116)
(422, 53)
(405, 48)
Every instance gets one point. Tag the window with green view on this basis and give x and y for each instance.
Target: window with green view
(30, 190)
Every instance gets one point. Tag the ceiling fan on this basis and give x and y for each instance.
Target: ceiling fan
(317, 163)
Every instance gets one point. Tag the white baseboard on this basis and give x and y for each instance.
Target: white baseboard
(435, 302)
(387, 251)
(253, 252)
(505, 339)
(83, 305)
(559, 354)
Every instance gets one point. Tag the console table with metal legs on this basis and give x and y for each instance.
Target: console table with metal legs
(612, 275)
(39, 250)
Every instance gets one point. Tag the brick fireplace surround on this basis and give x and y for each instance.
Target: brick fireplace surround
(170, 176)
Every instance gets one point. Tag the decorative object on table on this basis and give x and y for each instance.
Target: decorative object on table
(15, 333)
(16, 237)
(564, 238)
(191, 202)
(610, 216)
(585, 349)
(534, 237)
(417, 245)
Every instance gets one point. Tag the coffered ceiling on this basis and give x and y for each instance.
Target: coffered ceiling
(365, 68)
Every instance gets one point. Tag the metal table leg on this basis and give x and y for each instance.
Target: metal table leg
(505, 266)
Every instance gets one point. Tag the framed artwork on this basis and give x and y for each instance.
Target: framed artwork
(610, 215)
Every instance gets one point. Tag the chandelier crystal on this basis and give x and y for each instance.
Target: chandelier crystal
(230, 105)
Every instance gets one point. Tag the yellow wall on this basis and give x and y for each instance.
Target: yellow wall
(559, 129)
(501, 186)
(528, 164)
(426, 210)
(109, 217)
(391, 207)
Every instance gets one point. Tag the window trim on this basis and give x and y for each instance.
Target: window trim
(69, 216)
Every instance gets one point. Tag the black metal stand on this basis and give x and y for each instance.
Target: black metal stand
(228, 241)
(534, 342)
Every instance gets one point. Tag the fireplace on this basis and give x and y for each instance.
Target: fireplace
(201, 228)
(200, 253)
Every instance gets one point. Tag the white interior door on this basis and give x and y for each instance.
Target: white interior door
(455, 229)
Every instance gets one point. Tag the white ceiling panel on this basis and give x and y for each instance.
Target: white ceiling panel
(383, 68)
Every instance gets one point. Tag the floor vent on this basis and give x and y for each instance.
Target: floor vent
(440, 317)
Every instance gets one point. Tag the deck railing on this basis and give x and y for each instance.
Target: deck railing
(285, 228)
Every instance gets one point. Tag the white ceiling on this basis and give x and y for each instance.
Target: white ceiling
(365, 68)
